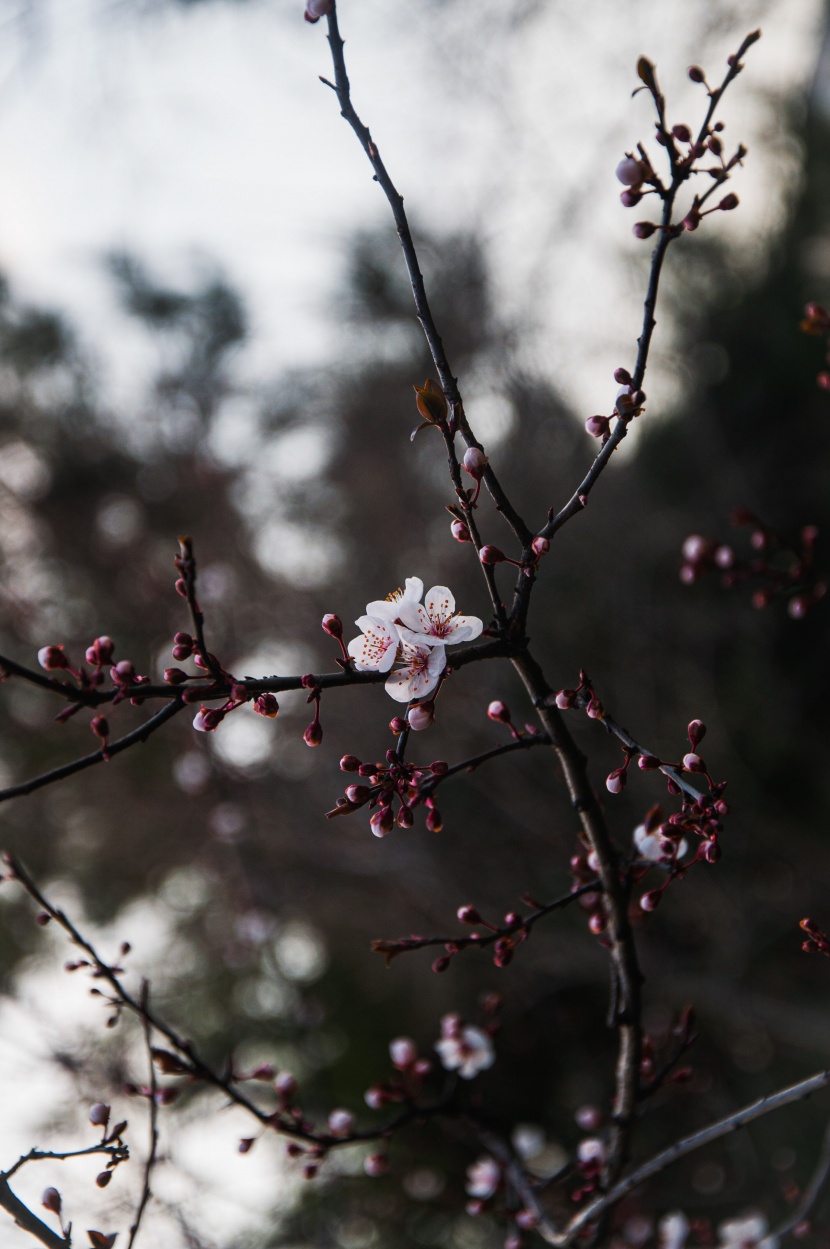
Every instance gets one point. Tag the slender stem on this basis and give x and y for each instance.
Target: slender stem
(29, 1221)
(150, 1161)
(449, 383)
(469, 765)
(811, 1193)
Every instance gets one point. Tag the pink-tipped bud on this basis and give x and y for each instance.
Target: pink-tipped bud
(468, 915)
(397, 725)
(589, 1118)
(597, 923)
(729, 202)
(630, 171)
(267, 705)
(341, 1123)
(315, 9)
(693, 763)
(358, 794)
(499, 712)
(624, 402)
(540, 546)
(682, 133)
(51, 1200)
(313, 734)
(421, 716)
(52, 659)
(349, 763)
(375, 1165)
(644, 229)
(724, 556)
(286, 1085)
(100, 726)
(122, 673)
(696, 732)
(99, 1114)
(382, 822)
(597, 426)
(100, 652)
(615, 781)
(174, 676)
(798, 606)
(595, 710)
(375, 1097)
(695, 548)
(631, 197)
(460, 531)
(622, 376)
(491, 555)
(434, 821)
(565, 699)
(651, 900)
(648, 763)
(403, 1051)
(696, 74)
(404, 818)
(332, 625)
(475, 462)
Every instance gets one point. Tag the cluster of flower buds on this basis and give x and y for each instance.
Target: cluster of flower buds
(816, 322)
(99, 656)
(509, 934)
(817, 941)
(784, 570)
(628, 404)
(382, 784)
(490, 555)
(686, 150)
(582, 696)
(407, 1081)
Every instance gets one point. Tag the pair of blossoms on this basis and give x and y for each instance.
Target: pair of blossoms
(748, 1231)
(415, 635)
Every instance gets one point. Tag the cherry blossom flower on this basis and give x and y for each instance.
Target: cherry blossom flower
(657, 848)
(375, 649)
(466, 1049)
(483, 1178)
(419, 674)
(436, 623)
(389, 608)
(749, 1232)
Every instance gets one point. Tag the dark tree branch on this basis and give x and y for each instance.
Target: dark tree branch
(150, 1161)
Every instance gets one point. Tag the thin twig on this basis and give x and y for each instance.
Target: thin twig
(153, 1103)
(28, 1220)
(811, 1193)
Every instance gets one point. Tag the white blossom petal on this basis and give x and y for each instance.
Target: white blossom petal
(672, 1230)
(375, 649)
(440, 603)
(420, 673)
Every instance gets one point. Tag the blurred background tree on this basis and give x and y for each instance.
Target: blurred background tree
(219, 846)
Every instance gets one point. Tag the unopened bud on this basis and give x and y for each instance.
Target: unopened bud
(597, 426)
(615, 781)
(651, 900)
(693, 763)
(349, 763)
(382, 822)
(332, 625)
(375, 1165)
(565, 699)
(421, 716)
(315, 9)
(475, 462)
(313, 734)
(100, 726)
(682, 133)
(631, 197)
(729, 202)
(267, 705)
(434, 821)
(696, 732)
(341, 1122)
(696, 74)
(468, 915)
(460, 531)
(286, 1085)
(52, 659)
(540, 546)
(644, 229)
(630, 171)
(648, 763)
(51, 1200)
(499, 711)
(403, 1051)
(99, 1114)
(491, 555)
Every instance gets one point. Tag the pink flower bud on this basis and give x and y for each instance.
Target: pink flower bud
(693, 763)
(597, 923)
(52, 659)
(100, 652)
(358, 794)
(644, 229)
(286, 1085)
(589, 1118)
(651, 900)
(696, 732)
(468, 915)
(51, 1200)
(631, 197)
(695, 548)
(540, 546)
(595, 710)
(397, 725)
(246, 1144)
(648, 763)
(622, 376)
(100, 726)
(122, 673)
(315, 9)
(630, 171)
(565, 699)
(349, 763)
(267, 705)
(174, 676)
(375, 1098)
(615, 781)
(99, 1114)
(724, 557)
(403, 1051)
(434, 821)
(798, 606)
(375, 1165)
(332, 625)
(491, 555)
(696, 74)
(597, 426)
(475, 462)
(460, 531)
(499, 711)
(313, 734)
(682, 133)
(341, 1123)
(382, 822)
(421, 716)
(404, 818)
(729, 202)
(624, 402)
